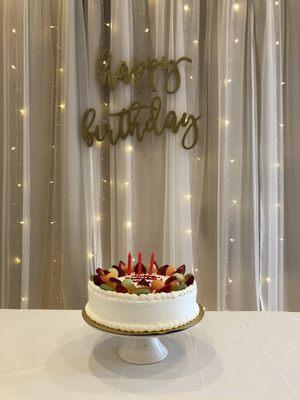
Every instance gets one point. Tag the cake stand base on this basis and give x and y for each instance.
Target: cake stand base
(143, 347)
(143, 350)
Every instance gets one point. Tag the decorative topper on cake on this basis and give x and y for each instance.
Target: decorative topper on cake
(121, 279)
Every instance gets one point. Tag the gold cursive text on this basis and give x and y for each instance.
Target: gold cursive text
(129, 124)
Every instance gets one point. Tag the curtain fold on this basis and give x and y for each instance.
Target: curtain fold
(227, 208)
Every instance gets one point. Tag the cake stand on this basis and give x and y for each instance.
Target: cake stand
(143, 347)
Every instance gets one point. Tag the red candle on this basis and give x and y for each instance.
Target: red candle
(151, 264)
(129, 263)
(139, 263)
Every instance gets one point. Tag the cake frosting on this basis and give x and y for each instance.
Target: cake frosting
(142, 302)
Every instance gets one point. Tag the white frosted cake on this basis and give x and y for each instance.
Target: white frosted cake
(141, 301)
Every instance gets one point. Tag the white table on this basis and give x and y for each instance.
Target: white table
(47, 354)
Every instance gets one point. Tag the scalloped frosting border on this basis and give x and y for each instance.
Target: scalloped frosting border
(142, 297)
(140, 327)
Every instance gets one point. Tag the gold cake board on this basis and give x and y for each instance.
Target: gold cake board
(161, 332)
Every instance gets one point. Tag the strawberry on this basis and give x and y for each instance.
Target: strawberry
(143, 269)
(121, 289)
(162, 270)
(97, 280)
(143, 282)
(119, 269)
(190, 280)
(100, 271)
(171, 279)
(181, 269)
(164, 289)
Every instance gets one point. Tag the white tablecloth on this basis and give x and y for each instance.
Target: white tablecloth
(47, 354)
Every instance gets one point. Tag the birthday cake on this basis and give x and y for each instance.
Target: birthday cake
(139, 299)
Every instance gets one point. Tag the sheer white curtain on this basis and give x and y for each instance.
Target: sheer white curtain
(227, 208)
(250, 174)
(43, 214)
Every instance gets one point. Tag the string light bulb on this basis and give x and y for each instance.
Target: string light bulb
(268, 279)
(146, 30)
(232, 160)
(234, 201)
(227, 122)
(21, 222)
(19, 184)
(13, 30)
(62, 106)
(90, 255)
(236, 7)
(126, 183)
(277, 43)
(17, 260)
(189, 231)
(107, 24)
(13, 148)
(129, 149)
(61, 69)
(229, 280)
(52, 222)
(13, 66)
(231, 240)
(22, 111)
(52, 26)
(186, 7)
(236, 40)
(129, 224)
(188, 196)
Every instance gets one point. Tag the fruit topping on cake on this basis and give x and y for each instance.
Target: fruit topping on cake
(181, 269)
(139, 280)
(162, 270)
(156, 285)
(127, 283)
(189, 279)
(143, 282)
(143, 269)
(120, 270)
(121, 289)
(170, 270)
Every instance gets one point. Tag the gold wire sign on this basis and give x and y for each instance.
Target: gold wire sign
(128, 118)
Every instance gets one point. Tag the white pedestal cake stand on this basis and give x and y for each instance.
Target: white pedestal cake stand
(143, 347)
